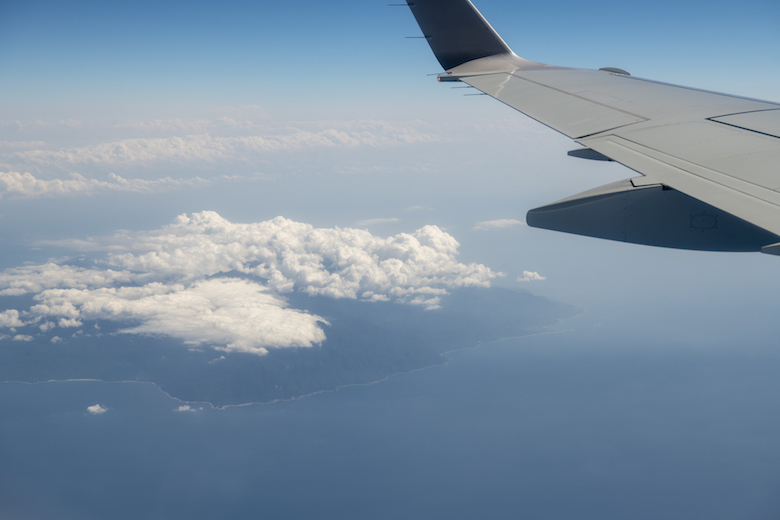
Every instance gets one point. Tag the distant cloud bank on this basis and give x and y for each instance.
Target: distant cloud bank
(497, 224)
(222, 139)
(531, 276)
(206, 147)
(26, 185)
(244, 141)
(205, 280)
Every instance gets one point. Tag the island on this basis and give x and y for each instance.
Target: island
(366, 342)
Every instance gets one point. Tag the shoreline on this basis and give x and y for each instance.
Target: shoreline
(294, 398)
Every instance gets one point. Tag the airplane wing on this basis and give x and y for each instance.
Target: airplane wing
(709, 163)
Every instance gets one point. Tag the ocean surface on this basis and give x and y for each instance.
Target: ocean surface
(598, 422)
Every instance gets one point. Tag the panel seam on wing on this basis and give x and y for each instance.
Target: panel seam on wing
(639, 118)
(691, 168)
(642, 154)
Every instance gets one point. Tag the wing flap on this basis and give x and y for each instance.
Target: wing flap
(765, 122)
(748, 201)
(742, 154)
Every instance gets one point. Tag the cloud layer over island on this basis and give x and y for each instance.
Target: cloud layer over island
(205, 280)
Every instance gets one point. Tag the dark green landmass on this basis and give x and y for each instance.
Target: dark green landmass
(366, 342)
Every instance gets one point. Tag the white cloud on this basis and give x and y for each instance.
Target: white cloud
(242, 138)
(10, 318)
(27, 185)
(531, 276)
(234, 314)
(23, 337)
(69, 322)
(497, 224)
(96, 409)
(289, 255)
(373, 221)
(56, 339)
(162, 282)
(187, 408)
(208, 147)
(36, 278)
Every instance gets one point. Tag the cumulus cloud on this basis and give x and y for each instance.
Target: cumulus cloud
(36, 278)
(208, 281)
(530, 276)
(497, 224)
(69, 322)
(187, 408)
(10, 318)
(23, 337)
(289, 255)
(241, 315)
(27, 185)
(47, 325)
(96, 409)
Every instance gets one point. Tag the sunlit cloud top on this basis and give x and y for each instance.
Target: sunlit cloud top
(206, 280)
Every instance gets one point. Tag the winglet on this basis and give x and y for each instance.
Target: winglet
(456, 31)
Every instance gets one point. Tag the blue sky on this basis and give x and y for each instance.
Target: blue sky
(94, 89)
(118, 57)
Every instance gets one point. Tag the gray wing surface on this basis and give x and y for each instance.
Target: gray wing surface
(709, 162)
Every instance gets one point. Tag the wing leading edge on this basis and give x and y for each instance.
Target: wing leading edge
(709, 162)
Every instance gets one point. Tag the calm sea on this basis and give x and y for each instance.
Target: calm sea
(595, 423)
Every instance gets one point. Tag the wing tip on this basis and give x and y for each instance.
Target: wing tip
(456, 31)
